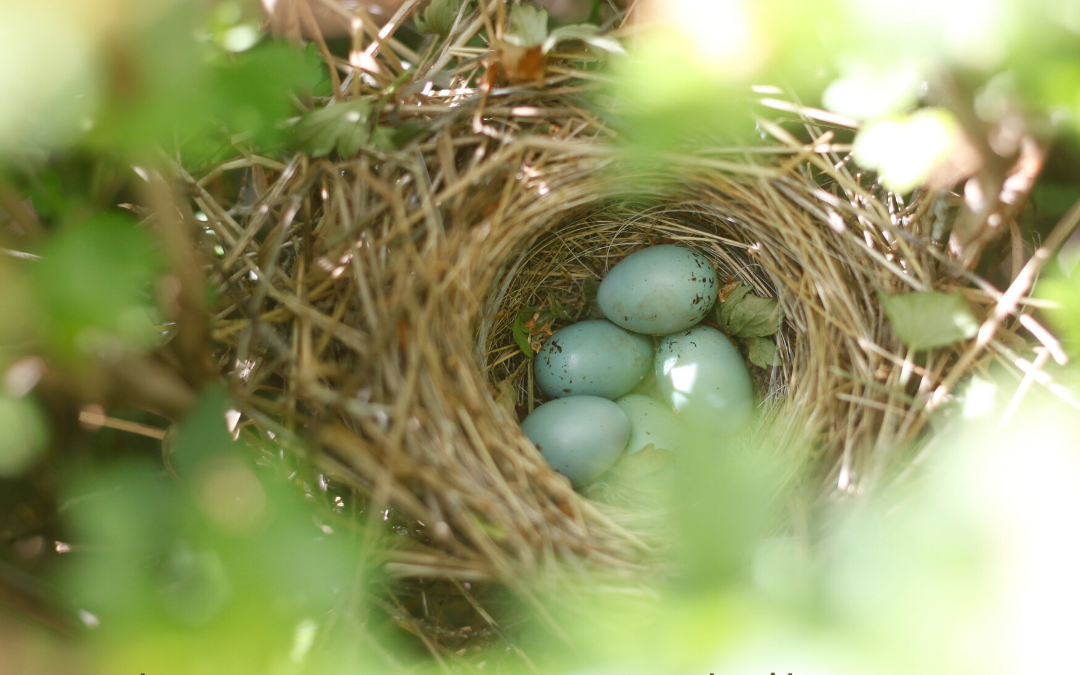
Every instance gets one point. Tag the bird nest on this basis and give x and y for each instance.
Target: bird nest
(367, 302)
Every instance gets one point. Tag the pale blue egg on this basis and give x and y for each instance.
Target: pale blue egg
(659, 290)
(581, 437)
(703, 376)
(651, 422)
(593, 358)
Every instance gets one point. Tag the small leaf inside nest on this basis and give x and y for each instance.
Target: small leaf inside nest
(521, 331)
(589, 309)
(746, 315)
(557, 310)
(762, 352)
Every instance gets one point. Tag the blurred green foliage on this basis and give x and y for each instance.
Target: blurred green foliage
(155, 86)
(170, 93)
(690, 80)
(25, 434)
(94, 284)
(223, 570)
(212, 562)
(1064, 291)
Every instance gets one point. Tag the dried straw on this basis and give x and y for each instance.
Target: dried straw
(366, 303)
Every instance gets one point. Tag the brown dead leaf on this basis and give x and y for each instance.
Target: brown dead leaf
(522, 64)
(531, 323)
(726, 290)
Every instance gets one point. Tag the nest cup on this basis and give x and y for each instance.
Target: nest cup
(566, 264)
(366, 306)
(765, 229)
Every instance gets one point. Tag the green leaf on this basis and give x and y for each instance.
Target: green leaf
(585, 32)
(439, 17)
(924, 320)
(723, 309)
(557, 310)
(528, 26)
(762, 352)
(341, 126)
(589, 308)
(748, 315)
(521, 333)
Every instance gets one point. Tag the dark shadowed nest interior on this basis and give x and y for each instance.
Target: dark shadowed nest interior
(367, 302)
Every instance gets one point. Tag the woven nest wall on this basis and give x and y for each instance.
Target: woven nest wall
(367, 302)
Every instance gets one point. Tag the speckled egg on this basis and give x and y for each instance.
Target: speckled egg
(581, 437)
(659, 290)
(593, 358)
(703, 376)
(651, 422)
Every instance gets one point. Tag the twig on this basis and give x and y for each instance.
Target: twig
(95, 419)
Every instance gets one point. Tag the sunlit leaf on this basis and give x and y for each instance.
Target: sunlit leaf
(1065, 292)
(866, 91)
(585, 32)
(924, 320)
(905, 150)
(227, 26)
(45, 94)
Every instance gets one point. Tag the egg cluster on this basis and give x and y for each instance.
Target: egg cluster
(591, 369)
